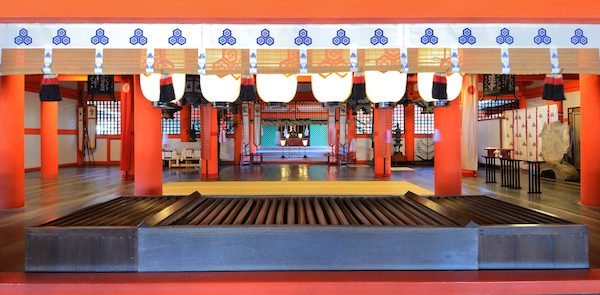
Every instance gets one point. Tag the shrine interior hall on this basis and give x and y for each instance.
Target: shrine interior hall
(279, 148)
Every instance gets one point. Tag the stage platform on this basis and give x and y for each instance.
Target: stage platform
(267, 233)
(312, 188)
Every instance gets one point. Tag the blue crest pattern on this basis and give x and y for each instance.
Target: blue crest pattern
(467, 37)
(505, 37)
(177, 38)
(579, 38)
(429, 37)
(99, 38)
(303, 38)
(138, 37)
(61, 37)
(265, 38)
(542, 37)
(23, 37)
(227, 38)
(303, 62)
(340, 38)
(379, 38)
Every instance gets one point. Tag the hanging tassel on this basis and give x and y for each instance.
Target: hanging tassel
(248, 90)
(439, 86)
(50, 91)
(554, 88)
(358, 98)
(167, 92)
(193, 91)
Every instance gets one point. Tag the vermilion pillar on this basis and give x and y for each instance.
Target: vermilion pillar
(409, 132)
(147, 144)
(185, 116)
(127, 132)
(447, 154)
(49, 139)
(351, 134)
(12, 141)
(238, 137)
(382, 131)
(590, 139)
(210, 163)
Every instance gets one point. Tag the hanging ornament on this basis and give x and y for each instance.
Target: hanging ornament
(193, 91)
(50, 91)
(248, 90)
(554, 88)
(438, 90)
(358, 98)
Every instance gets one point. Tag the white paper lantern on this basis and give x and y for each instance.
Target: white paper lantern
(385, 87)
(331, 88)
(425, 86)
(225, 89)
(150, 85)
(276, 88)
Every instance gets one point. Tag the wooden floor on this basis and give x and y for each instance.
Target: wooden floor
(80, 187)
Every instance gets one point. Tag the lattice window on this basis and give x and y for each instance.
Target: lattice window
(108, 120)
(398, 119)
(489, 109)
(423, 122)
(364, 123)
(171, 126)
(196, 118)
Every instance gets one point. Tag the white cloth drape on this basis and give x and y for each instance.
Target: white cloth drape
(469, 123)
(343, 125)
(257, 125)
(246, 124)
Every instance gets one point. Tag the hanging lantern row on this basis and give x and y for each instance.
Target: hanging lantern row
(385, 89)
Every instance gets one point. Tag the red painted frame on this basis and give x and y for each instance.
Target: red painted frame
(309, 282)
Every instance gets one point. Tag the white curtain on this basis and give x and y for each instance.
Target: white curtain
(469, 123)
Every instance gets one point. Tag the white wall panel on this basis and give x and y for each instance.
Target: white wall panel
(101, 150)
(67, 149)
(364, 152)
(115, 150)
(573, 100)
(67, 114)
(32, 151)
(227, 150)
(32, 110)
(488, 135)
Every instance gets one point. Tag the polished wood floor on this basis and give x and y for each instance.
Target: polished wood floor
(80, 187)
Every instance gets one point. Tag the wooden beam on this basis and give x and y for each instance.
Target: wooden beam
(307, 11)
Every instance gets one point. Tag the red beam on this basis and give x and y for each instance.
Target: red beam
(307, 11)
(309, 282)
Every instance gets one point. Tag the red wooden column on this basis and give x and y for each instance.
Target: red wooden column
(382, 131)
(49, 139)
(12, 141)
(127, 131)
(209, 141)
(351, 134)
(409, 132)
(238, 137)
(590, 139)
(447, 154)
(185, 116)
(147, 148)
